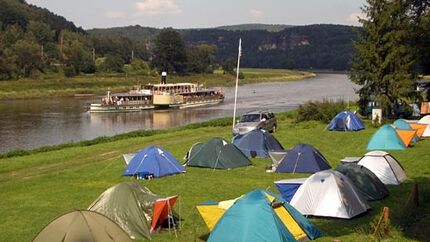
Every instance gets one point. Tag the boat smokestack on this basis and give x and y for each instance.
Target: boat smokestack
(163, 77)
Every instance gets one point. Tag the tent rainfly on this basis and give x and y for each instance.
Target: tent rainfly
(135, 208)
(384, 166)
(367, 183)
(401, 124)
(153, 161)
(386, 138)
(257, 143)
(345, 121)
(329, 194)
(82, 225)
(303, 158)
(216, 153)
(261, 216)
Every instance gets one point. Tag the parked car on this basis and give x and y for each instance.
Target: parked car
(255, 120)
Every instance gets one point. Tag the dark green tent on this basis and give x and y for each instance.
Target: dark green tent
(367, 183)
(216, 153)
(135, 208)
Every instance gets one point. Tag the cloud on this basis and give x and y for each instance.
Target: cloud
(255, 13)
(114, 14)
(353, 17)
(157, 7)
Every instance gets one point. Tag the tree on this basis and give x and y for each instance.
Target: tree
(228, 66)
(76, 56)
(28, 59)
(383, 61)
(201, 58)
(112, 64)
(41, 32)
(420, 12)
(169, 53)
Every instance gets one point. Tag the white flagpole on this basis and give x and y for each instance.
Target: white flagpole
(237, 80)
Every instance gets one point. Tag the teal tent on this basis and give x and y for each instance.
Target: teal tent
(216, 153)
(263, 216)
(402, 124)
(385, 138)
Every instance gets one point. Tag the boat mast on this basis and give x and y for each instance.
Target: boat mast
(237, 80)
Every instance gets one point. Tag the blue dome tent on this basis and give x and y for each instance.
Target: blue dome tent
(303, 158)
(153, 161)
(345, 121)
(257, 143)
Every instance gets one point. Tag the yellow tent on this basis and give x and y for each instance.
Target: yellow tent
(211, 212)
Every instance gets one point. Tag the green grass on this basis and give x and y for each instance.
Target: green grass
(36, 188)
(98, 84)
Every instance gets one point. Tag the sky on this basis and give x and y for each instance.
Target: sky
(202, 13)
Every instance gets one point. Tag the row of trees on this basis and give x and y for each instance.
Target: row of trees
(34, 41)
(37, 49)
(392, 50)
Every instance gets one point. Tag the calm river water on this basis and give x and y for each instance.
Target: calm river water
(28, 124)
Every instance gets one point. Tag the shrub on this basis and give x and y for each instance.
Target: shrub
(320, 111)
(70, 71)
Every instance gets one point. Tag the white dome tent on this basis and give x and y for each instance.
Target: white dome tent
(329, 193)
(384, 166)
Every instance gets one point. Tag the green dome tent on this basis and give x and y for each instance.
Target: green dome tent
(216, 153)
(365, 180)
(134, 207)
(82, 225)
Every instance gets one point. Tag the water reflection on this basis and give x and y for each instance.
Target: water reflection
(27, 124)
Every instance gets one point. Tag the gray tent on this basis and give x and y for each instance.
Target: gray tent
(82, 226)
(367, 183)
(134, 207)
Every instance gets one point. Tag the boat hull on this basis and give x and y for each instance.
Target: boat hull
(98, 108)
(200, 103)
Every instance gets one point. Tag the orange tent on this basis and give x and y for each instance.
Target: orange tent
(406, 136)
(420, 129)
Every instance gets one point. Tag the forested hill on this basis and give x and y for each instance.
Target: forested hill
(18, 12)
(308, 47)
(304, 47)
(246, 27)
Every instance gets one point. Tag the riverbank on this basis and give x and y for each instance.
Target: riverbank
(99, 84)
(37, 187)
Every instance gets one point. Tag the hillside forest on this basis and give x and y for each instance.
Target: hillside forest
(36, 43)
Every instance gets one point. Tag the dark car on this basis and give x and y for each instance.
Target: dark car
(255, 120)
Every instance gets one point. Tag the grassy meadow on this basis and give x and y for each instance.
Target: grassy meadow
(55, 86)
(36, 188)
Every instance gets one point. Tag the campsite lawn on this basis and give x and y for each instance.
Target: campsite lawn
(38, 187)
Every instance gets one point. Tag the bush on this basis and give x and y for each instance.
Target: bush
(70, 71)
(320, 111)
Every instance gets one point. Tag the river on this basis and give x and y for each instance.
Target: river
(29, 124)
